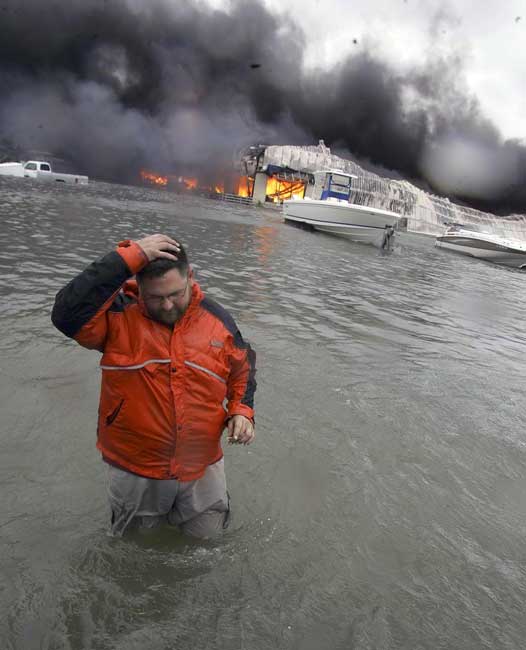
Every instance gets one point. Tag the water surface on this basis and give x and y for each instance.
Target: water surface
(383, 505)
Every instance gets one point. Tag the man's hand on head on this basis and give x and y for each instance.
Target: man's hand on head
(156, 246)
(240, 430)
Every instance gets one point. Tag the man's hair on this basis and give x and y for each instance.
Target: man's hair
(157, 268)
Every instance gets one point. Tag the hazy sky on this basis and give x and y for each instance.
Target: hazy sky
(488, 37)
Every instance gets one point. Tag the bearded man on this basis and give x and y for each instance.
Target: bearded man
(175, 372)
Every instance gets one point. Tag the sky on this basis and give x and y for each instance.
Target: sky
(487, 36)
(423, 90)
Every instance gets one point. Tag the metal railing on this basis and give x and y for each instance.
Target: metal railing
(232, 198)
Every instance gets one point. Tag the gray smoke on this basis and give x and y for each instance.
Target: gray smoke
(123, 84)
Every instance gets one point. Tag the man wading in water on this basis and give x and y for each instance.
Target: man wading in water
(175, 372)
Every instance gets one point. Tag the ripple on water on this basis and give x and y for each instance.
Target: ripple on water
(382, 506)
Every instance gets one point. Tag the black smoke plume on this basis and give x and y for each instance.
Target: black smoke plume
(119, 85)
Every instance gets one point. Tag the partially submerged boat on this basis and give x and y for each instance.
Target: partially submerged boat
(329, 210)
(472, 240)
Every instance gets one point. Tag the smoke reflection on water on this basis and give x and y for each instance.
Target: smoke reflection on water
(383, 503)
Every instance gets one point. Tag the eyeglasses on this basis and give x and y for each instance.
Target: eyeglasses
(173, 297)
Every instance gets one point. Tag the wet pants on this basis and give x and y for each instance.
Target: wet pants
(199, 508)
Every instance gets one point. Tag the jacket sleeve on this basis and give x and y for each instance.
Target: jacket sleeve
(81, 307)
(242, 379)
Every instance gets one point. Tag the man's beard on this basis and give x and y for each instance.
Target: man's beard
(166, 317)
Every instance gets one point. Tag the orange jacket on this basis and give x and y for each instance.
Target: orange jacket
(165, 393)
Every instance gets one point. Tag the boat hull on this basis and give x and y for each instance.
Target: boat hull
(488, 251)
(357, 222)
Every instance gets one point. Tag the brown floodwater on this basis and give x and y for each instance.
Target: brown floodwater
(383, 505)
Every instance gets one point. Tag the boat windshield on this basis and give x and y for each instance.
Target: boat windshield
(340, 183)
(337, 186)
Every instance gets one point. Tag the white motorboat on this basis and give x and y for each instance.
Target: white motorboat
(333, 213)
(472, 240)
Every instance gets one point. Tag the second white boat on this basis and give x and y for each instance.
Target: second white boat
(473, 241)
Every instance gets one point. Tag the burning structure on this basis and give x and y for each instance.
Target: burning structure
(280, 172)
(263, 174)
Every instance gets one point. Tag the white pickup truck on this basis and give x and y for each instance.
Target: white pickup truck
(41, 170)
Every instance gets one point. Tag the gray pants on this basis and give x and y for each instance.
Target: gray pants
(200, 508)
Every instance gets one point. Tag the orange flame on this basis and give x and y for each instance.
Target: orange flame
(190, 183)
(280, 190)
(153, 178)
(245, 186)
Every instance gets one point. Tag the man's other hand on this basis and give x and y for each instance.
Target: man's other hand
(155, 246)
(240, 430)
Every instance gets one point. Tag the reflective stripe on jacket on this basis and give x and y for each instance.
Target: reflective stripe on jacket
(165, 393)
